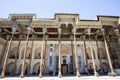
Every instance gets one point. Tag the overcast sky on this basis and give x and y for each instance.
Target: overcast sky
(87, 9)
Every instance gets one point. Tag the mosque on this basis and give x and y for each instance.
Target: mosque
(64, 45)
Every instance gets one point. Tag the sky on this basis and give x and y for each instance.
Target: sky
(87, 9)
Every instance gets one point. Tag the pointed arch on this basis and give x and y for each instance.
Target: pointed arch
(13, 51)
(9, 69)
(37, 53)
(36, 68)
(25, 69)
(27, 54)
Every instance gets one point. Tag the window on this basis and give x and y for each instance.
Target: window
(79, 61)
(56, 63)
(51, 49)
(50, 60)
(64, 61)
(70, 59)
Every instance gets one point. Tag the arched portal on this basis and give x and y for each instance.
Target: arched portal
(37, 54)
(13, 52)
(25, 68)
(27, 53)
(9, 69)
(36, 68)
(105, 67)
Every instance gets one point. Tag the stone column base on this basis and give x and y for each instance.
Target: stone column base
(40, 75)
(2, 75)
(59, 75)
(113, 74)
(78, 74)
(21, 76)
(96, 74)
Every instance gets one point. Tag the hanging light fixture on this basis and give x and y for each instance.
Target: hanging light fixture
(14, 29)
(88, 31)
(116, 30)
(103, 31)
(29, 30)
(59, 30)
(44, 30)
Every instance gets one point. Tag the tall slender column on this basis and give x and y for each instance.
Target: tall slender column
(59, 52)
(86, 59)
(108, 55)
(17, 53)
(59, 66)
(3, 52)
(24, 57)
(53, 62)
(6, 58)
(91, 50)
(42, 51)
(76, 54)
(73, 59)
(29, 67)
(41, 63)
(45, 52)
(101, 66)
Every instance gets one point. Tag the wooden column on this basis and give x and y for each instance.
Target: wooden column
(24, 57)
(108, 56)
(59, 51)
(45, 53)
(73, 59)
(29, 67)
(93, 61)
(86, 59)
(76, 55)
(3, 52)
(6, 58)
(101, 65)
(41, 60)
(17, 53)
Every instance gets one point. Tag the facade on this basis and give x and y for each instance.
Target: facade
(65, 45)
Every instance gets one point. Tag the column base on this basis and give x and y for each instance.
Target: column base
(113, 74)
(59, 75)
(96, 74)
(2, 75)
(78, 74)
(40, 75)
(21, 75)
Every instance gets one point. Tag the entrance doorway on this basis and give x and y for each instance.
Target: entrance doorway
(64, 69)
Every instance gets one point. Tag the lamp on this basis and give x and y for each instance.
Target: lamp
(59, 30)
(116, 30)
(14, 29)
(103, 31)
(89, 31)
(44, 30)
(28, 30)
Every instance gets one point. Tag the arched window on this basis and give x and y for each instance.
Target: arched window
(64, 61)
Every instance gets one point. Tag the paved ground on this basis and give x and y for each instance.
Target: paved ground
(64, 78)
